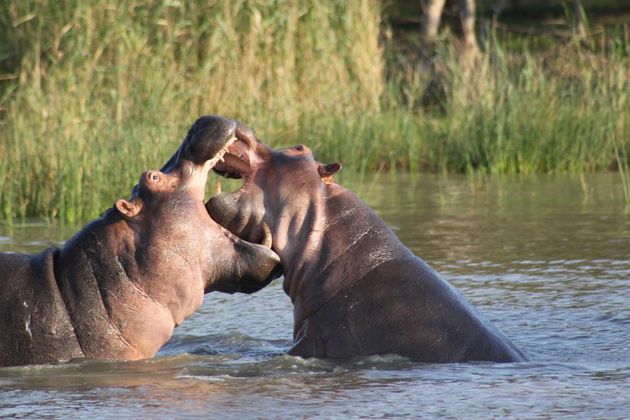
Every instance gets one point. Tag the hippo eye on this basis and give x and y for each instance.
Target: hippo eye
(154, 177)
(299, 148)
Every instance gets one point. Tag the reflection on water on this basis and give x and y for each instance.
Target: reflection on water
(545, 258)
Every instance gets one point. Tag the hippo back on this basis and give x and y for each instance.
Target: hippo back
(34, 321)
(403, 307)
(369, 294)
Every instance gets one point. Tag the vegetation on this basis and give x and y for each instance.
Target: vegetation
(93, 93)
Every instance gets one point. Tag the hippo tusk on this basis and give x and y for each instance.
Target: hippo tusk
(219, 157)
(267, 240)
(217, 187)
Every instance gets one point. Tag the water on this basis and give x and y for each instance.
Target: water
(546, 258)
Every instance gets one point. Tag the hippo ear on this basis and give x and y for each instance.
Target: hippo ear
(129, 209)
(327, 171)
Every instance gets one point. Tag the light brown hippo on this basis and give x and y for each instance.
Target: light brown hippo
(118, 288)
(356, 289)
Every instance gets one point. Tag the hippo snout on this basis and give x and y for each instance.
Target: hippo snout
(241, 217)
(261, 264)
(253, 267)
(207, 139)
(224, 209)
(207, 136)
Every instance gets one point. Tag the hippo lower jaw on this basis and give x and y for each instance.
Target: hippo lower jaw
(233, 155)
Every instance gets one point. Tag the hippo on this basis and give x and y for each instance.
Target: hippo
(118, 288)
(355, 288)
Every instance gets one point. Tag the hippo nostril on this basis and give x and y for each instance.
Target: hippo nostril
(299, 148)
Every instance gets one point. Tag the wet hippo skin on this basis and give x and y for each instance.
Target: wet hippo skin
(118, 288)
(356, 289)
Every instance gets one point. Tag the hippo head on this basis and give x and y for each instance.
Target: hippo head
(167, 211)
(279, 188)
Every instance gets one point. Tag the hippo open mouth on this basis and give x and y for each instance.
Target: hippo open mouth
(234, 161)
(233, 210)
(206, 143)
(220, 155)
(229, 148)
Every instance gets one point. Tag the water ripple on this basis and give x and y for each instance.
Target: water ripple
(547, 265)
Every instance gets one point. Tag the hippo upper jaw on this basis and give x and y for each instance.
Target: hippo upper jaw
(205, 144)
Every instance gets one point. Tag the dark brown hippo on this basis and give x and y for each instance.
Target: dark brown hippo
(356, 289)
(118, 288)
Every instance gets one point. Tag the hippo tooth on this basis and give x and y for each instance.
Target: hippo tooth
(217, 187)
(267, 240)
(218, 157)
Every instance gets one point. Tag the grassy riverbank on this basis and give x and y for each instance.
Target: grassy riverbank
(94, 94)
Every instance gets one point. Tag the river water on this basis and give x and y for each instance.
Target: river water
(546, 258)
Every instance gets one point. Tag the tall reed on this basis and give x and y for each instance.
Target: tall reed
(106, 89)
(618, 131)
(96, 92)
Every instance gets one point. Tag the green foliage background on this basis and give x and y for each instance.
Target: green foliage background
(95, 92)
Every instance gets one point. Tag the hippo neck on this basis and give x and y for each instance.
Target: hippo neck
(296, 232)
(340, 241)
(96, 270)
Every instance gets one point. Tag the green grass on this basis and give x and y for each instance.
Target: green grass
(94, 93)
(104, 90)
